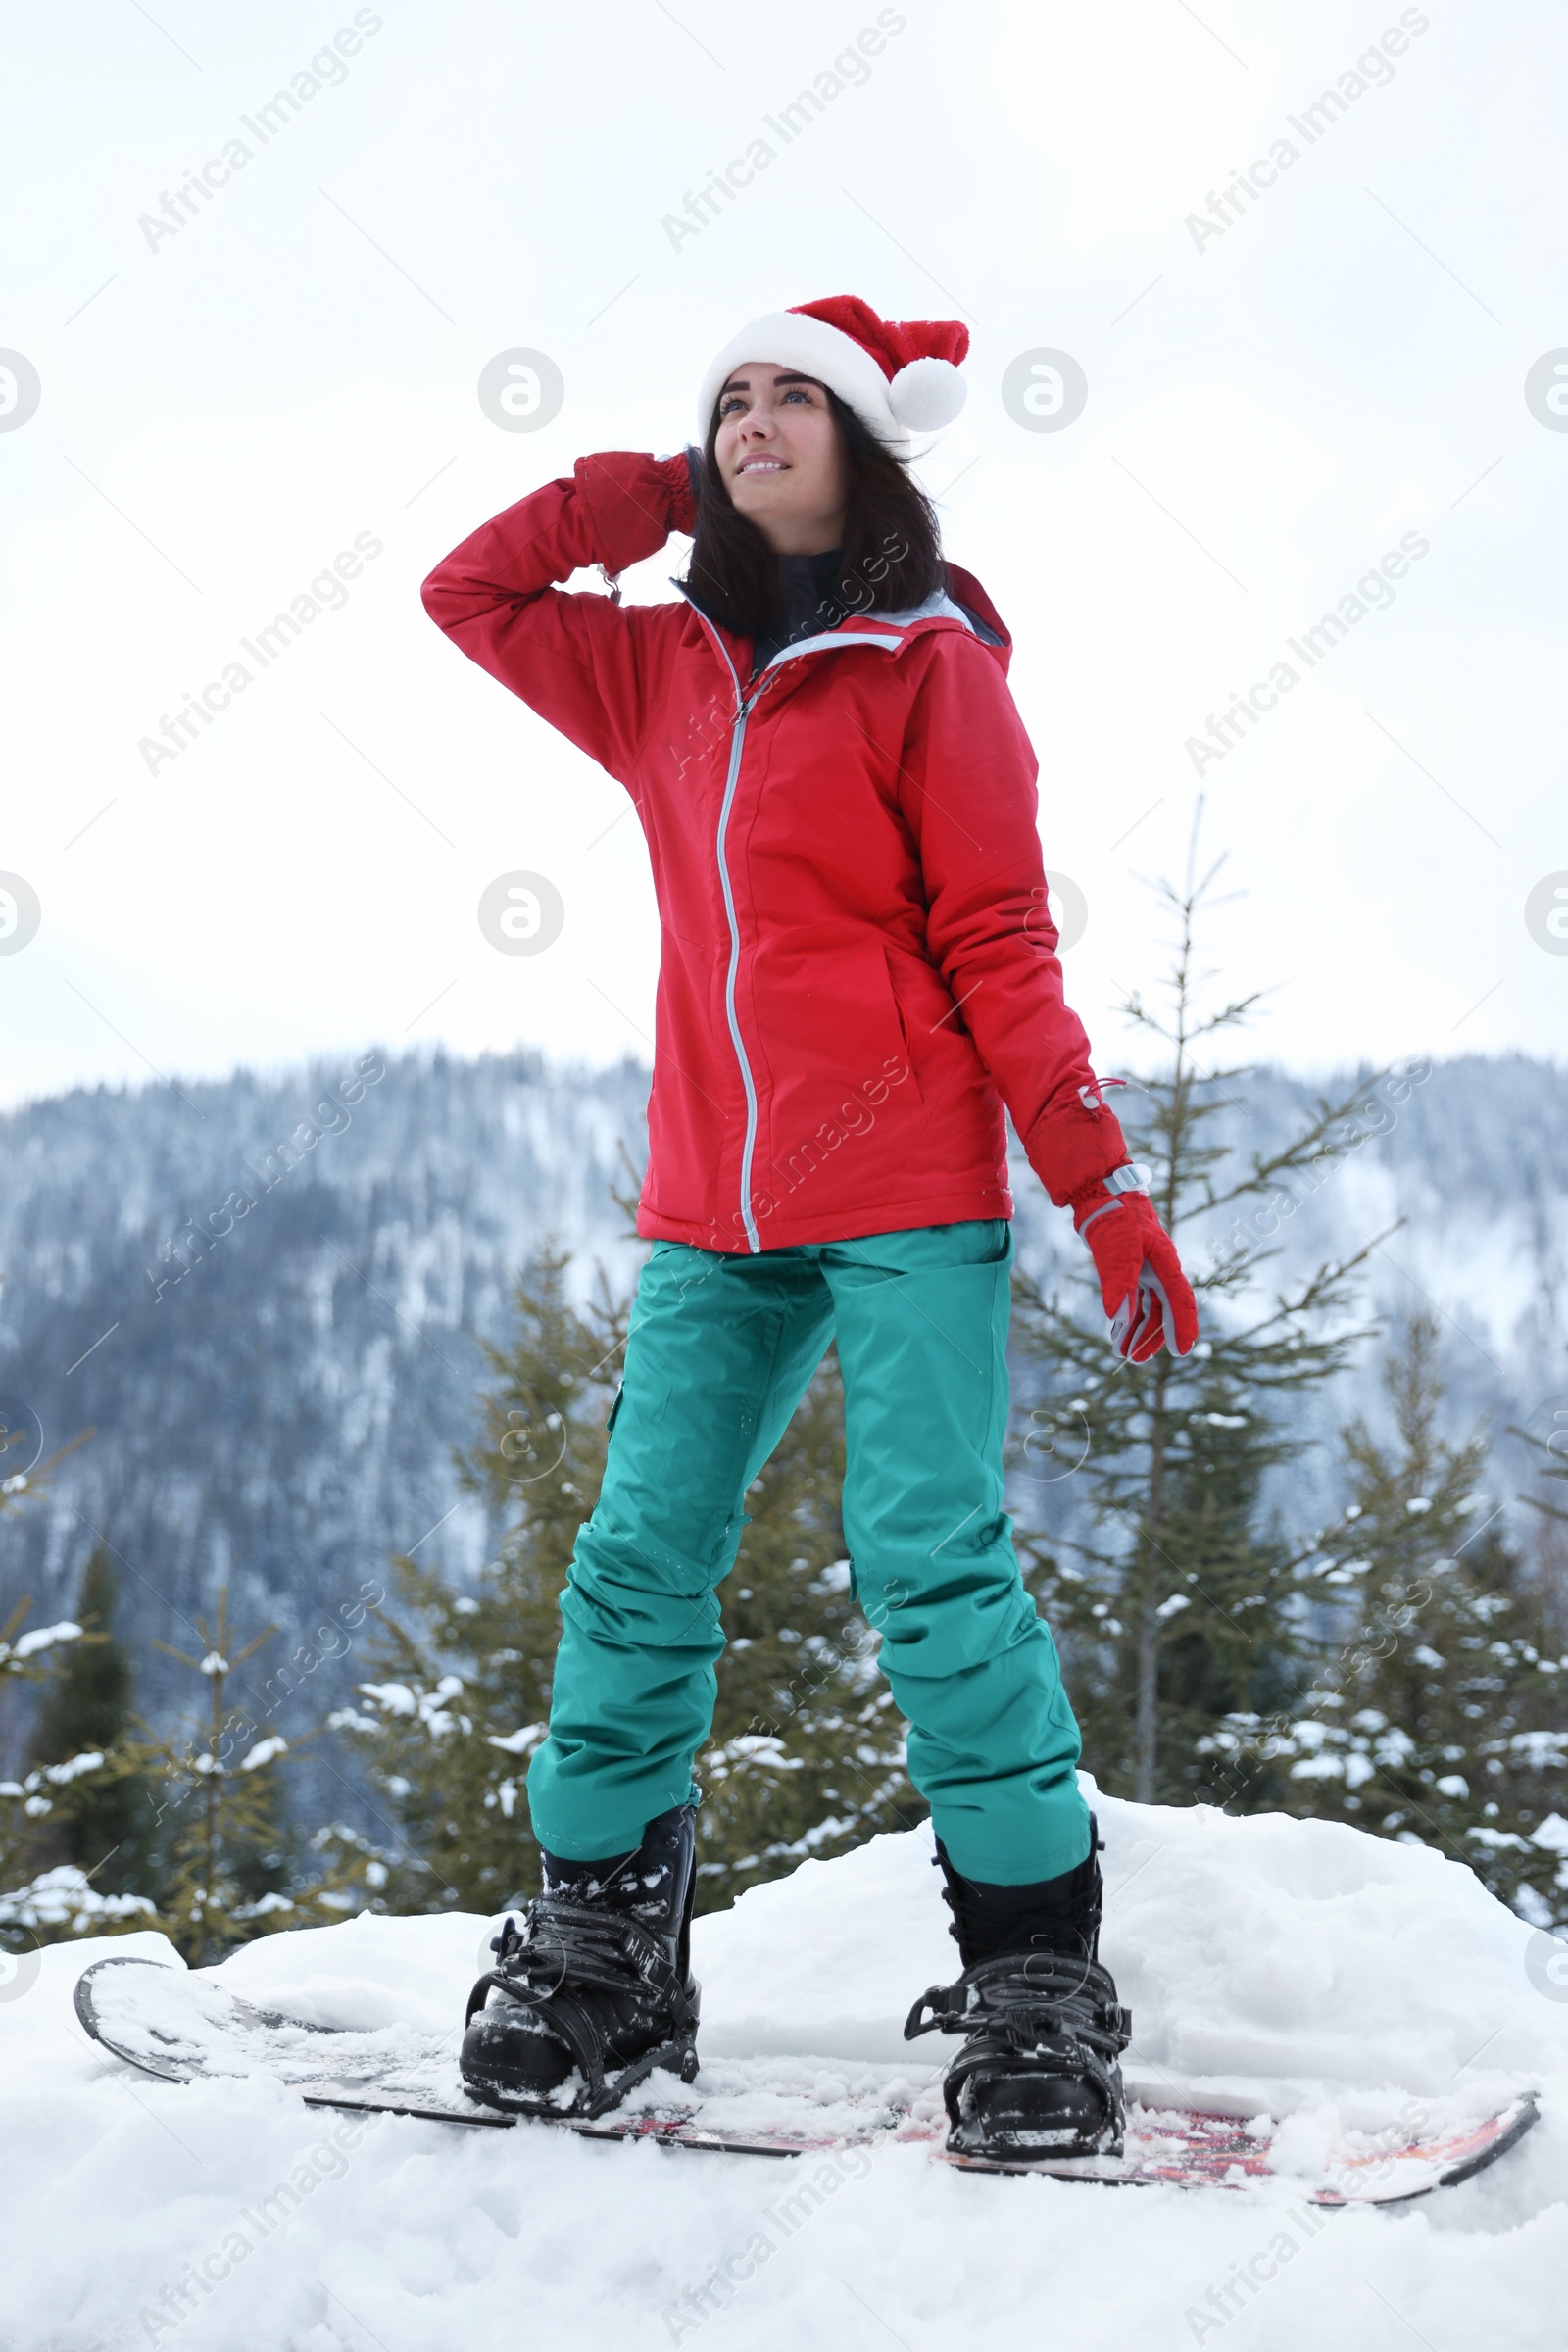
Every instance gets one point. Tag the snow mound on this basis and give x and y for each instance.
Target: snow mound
(1268, 1962)
(1298, 1968)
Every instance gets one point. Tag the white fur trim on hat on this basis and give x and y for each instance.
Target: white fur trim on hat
(923, 395)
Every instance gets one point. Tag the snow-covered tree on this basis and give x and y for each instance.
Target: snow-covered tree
(1178, 1607)
(1436, 1710)
(41, 1896)
(235, 1870)
(104, 1819)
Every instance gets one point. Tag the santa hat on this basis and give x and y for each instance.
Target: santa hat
(899, 375)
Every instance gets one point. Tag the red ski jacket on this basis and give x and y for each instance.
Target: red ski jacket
(859, 967)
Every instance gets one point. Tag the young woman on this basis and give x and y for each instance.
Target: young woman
(859, 976)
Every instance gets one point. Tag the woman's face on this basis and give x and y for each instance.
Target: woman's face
(781, 457)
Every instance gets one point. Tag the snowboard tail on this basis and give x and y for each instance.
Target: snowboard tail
(182, 2026)
(1188, 2149)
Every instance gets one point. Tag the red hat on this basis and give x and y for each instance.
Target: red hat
(899, 375)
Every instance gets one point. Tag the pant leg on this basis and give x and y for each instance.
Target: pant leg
(922, 1334)
(719, 1351)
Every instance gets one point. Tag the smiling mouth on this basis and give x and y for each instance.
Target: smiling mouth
(762, 466)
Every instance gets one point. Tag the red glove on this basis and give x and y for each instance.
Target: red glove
(1147, 1295)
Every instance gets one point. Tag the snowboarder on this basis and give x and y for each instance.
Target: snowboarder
(859, 975)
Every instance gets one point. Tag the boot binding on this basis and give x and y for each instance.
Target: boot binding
(595, 1976)
(1036, 2074)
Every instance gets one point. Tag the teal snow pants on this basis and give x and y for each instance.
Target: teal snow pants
(720, 1352)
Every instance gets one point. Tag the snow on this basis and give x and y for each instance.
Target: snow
(43, 1637)
(1300, 1968)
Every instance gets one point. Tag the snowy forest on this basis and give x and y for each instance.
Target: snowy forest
(305, 1390)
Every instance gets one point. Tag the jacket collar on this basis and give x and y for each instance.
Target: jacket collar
(969, 610)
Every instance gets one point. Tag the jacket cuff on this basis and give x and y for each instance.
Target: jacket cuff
(1070, 1148)
(633, 503)
(685, 472)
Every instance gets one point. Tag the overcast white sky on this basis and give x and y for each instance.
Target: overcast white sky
(1270, 412)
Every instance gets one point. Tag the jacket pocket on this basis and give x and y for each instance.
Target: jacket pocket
(901, 1016)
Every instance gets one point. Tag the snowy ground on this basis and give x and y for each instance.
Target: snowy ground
(1298, 1968)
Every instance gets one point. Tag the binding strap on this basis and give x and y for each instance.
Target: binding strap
(569, 1948)
(1031, 2013)
(1018, 1996)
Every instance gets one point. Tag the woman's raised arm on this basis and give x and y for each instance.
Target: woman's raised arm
(583, 662)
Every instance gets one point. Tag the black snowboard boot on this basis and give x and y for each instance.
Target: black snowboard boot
(597, 1978)
(1038, 2076)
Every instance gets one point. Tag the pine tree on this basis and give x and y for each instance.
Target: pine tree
(42, 1898)
(1175, 1609)
(1234, 1642)
(1436, 1712)
(36, 1892)
(807, 1752)
(236, 1871)
(104, 1819)
(1547, 1440)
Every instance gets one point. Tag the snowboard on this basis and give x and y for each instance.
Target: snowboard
(184, 2027)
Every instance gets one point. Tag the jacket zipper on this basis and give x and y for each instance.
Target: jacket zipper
(737, 744)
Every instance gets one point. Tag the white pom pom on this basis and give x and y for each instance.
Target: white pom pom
(927, 394)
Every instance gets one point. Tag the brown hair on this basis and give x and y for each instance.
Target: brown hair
(892, 541)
